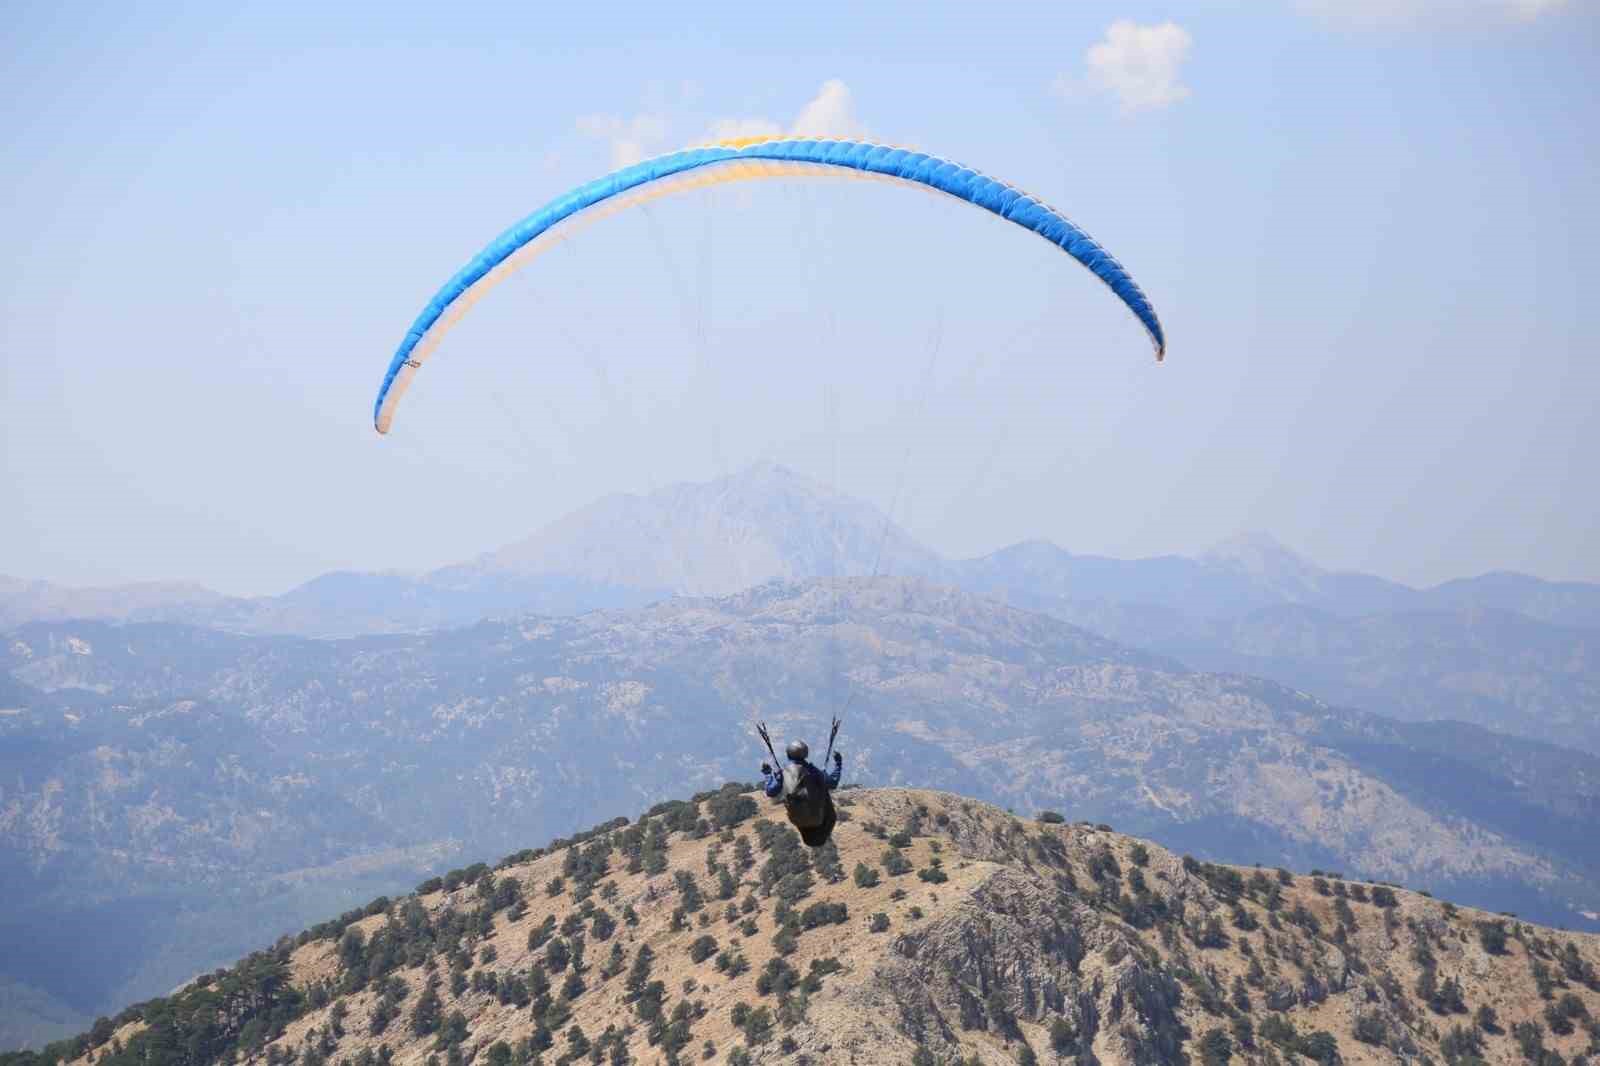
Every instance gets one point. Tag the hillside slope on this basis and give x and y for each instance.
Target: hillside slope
(1496, 669)
(401, 741)
(935, 929)
(181, 790)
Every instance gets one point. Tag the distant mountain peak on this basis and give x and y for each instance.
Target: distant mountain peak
(1036, 546)
(1258, 552)
(764, 476)
(764, 522)
(771, 522)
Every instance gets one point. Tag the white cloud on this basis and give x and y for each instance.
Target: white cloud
(631, 139)
(831, 113)
(1139, 65)
(1381, 13)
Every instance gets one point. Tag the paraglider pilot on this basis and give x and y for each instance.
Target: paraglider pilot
(806, 791)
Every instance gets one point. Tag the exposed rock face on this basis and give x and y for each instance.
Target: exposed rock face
(1005, 950)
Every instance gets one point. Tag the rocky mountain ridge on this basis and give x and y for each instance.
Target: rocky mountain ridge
(932, 929)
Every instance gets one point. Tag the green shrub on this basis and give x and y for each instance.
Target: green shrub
(731, 961)
(1216, 1048)
(1492, 935)
(703, 948)
(1371, 1029)
(820, 914)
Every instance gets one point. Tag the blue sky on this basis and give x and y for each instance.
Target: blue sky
(1369, 230)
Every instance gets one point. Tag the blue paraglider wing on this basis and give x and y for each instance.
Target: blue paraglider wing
(736, 161)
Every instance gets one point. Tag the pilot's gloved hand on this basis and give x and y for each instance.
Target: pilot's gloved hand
(766, 769)
(838, 758)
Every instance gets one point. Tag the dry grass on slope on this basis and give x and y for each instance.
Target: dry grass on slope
(969, 935)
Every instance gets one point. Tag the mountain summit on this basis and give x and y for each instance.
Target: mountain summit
(932, 929)
(714, 538)
(1259, 553)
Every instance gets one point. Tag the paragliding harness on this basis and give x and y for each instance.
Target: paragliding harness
(805, 793)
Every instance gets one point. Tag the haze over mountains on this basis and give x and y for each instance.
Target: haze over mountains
(1505, 651)
(771, 523)
(181, 771)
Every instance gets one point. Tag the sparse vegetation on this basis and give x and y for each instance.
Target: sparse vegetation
(1221, 972)
(894, 863)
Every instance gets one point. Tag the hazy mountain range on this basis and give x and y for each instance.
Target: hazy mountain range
(1505, 651)
(771, 523)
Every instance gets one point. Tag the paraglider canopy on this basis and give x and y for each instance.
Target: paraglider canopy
(742, 161)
